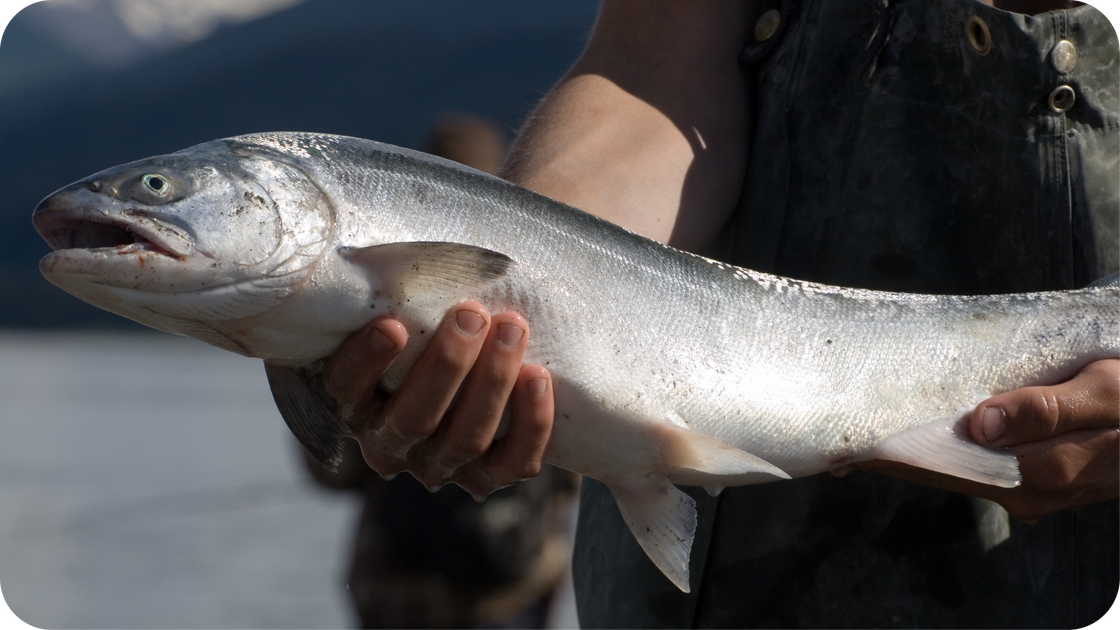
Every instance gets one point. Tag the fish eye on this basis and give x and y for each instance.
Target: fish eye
(156, 184)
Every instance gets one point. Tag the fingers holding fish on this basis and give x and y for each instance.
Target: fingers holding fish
(1065, 472)
(1068, 471)
(414, 412)
(470, 428)
(422, 428)
(1033, 414)
(350, 375)
(518, 455)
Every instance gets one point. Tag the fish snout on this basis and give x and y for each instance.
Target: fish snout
(77, 218)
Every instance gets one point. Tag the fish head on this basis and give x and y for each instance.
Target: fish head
(202, 235)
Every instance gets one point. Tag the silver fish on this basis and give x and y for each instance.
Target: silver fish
(668, 368)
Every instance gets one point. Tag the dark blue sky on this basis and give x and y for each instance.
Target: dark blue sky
(379, 69)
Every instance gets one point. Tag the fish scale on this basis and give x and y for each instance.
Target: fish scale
(668, 368)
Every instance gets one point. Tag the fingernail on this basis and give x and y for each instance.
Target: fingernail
(995, 424)
(510, 335)
(469, 322)
(537, 387)
(381, 341)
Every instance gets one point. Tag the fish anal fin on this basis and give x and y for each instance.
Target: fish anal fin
(662, 519)
(698, 460)
(310, 412)
(943, 446)
(428, 271)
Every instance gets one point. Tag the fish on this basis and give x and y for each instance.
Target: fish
(669, 369)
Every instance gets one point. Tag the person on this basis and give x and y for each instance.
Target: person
(443, 560)
(943, 146)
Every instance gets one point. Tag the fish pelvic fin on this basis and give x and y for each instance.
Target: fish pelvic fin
(310, 412)
(944, 446)
(428, 271)
(662, 519)
(698, 460)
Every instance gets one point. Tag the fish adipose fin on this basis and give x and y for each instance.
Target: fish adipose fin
(428, 271)
(662, 519)
(311, 413)
(944, 447)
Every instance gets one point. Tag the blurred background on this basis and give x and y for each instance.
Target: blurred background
(147, 480)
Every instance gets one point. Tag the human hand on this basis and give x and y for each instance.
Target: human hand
(1066, 437)
(416, 429)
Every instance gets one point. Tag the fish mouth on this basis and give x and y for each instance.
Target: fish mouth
(124, 232)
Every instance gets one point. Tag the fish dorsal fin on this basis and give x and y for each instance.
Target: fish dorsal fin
(428, 271)
(310, 412)
(662, 519)
(944, 446)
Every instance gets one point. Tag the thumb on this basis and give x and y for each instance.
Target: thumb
(1087, 401)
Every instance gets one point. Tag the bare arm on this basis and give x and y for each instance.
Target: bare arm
(647, 130)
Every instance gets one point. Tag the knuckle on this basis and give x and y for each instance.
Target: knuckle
(431, 478)
(1108, 385)
(478, 483)
(1023, 512)
(401, 432)
(1053, 477)
(530, 469)
(466, 450)
(1043, 406)
(519, 470)
(452, 359)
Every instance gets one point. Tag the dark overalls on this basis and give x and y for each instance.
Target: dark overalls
(935, 146)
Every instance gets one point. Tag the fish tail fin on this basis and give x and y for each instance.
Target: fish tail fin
(944, 447)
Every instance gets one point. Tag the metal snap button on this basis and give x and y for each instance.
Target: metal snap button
(1064, 56)
(767, 25)
(979, 37)
(1062, 98)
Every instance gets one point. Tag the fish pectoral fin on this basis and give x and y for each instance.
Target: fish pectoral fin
(945, 447)
(310, 412)
(428, 271)
(662, 519)
(699, 460)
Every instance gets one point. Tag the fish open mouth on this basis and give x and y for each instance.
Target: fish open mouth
(82, 230)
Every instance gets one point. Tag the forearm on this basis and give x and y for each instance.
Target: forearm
(648, 128)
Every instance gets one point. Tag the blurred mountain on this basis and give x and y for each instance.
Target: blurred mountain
(377, 69)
